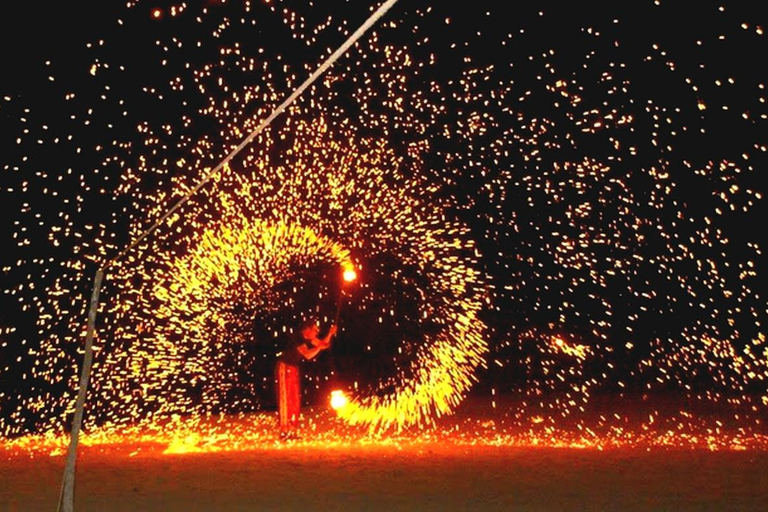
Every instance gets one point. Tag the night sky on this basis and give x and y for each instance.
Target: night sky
(589, 174)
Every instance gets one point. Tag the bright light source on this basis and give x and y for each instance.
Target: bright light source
(350, 275)
(338, 399)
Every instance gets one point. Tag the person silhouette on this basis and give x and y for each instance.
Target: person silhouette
(304, 344)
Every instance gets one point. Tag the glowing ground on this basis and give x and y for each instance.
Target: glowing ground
(481, 458)
(645, 424)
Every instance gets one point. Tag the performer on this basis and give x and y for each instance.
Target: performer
(301, 345)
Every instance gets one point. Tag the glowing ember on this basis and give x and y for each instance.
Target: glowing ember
(349, 275)
(338, 399)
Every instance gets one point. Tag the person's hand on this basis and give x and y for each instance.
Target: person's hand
(332, 330)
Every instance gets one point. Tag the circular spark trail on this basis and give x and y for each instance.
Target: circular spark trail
(234, 270)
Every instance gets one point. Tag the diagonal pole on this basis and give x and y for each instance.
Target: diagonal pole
(66, 498)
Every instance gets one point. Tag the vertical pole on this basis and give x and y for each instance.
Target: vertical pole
(338, 308)
(67, 496)
(331, 358)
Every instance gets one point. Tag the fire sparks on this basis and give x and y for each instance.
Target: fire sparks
(530, 210)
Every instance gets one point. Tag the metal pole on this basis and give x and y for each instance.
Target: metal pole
(338, 308)
(67, 496)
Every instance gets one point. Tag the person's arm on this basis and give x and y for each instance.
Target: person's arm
(318, 345)
(308, 352)
(326, 341)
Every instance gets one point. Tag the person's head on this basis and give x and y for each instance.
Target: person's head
(309, 328)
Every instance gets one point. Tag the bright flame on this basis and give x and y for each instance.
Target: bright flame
(349, 275)
(338, 399)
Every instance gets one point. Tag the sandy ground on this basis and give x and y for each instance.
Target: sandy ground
(476, 460)
(430, 477)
